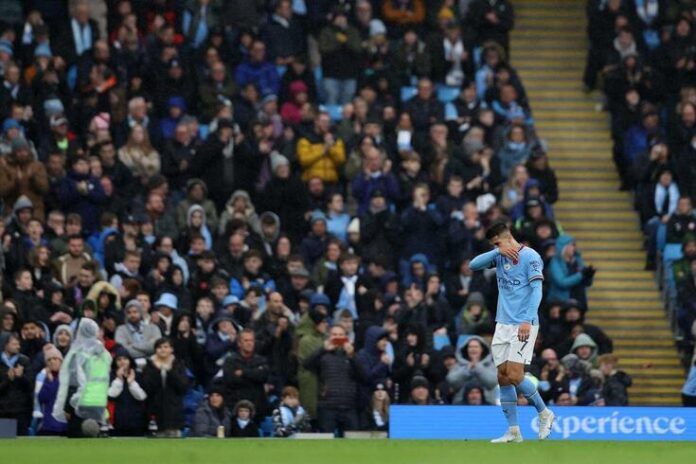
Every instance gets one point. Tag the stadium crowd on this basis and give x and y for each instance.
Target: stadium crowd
(264, 212)
(643, 53)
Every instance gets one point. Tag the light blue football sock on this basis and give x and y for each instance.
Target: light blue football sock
(529, 390)
(508, 400)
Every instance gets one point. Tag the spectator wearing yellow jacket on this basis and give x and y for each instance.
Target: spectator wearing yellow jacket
(320, 153)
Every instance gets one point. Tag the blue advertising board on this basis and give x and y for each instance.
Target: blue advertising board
(572, 423)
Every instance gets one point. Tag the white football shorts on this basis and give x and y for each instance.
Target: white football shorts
(507, 347)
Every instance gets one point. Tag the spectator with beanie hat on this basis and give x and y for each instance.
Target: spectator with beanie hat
(212, 415)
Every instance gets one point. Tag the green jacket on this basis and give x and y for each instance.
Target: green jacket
(309, 343)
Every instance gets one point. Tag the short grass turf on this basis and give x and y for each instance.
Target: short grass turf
(272, 451)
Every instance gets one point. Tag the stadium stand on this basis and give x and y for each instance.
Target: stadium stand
(268, 208)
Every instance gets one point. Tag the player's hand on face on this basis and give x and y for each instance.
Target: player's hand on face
(509, 251)
(523, 331)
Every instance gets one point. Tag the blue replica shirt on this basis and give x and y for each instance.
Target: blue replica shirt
(517, 301)
(519, 284)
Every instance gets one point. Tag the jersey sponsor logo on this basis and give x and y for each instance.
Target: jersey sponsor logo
(507, 283)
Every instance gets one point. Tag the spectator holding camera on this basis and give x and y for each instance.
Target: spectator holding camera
(339, 376)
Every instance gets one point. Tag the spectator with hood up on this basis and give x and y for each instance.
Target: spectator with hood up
(475, 366)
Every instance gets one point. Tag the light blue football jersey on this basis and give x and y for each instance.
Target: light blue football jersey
(514, 291)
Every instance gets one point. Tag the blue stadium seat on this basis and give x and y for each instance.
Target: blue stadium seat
(671, 253)
(461, 340)
(203, 131)
(407, 93)
(661, 236)
(266, 428)
(447, 94)
(71, 77)
(440, 341)
(335, 111)
(450, 112)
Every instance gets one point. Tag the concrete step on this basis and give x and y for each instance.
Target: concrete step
(540, 34)
(613, 236)
(608, 204)
(594, 215)
(633, 306)
(560, 163)
(593, 124)
(575, 175)
(628, 342)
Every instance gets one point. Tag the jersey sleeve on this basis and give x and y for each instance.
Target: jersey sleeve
(535, 267)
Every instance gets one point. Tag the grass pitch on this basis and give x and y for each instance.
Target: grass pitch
(272, 451)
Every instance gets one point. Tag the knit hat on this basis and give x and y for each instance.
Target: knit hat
(176, 102)
(196, 181)
(269, 98)
(20, 143)
(300, 272)
(6, 46)
(23, 202)
(297, 86)
(216, 389)
(53, 106)
(419, 382)
(135, 304)
(10, 123)
(51, 352)
(58, 120)
(448, 352)
(317, 216)
(43, 49)
(319, 299)
(278, 160)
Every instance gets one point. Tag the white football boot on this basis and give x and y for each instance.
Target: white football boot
(513, 435)
(546, 418)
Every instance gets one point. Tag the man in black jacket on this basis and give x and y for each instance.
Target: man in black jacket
(244, 374)
(284, 34)
(215, 162)
(339, 375)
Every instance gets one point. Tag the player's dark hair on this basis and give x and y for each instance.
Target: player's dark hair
(496, 229)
